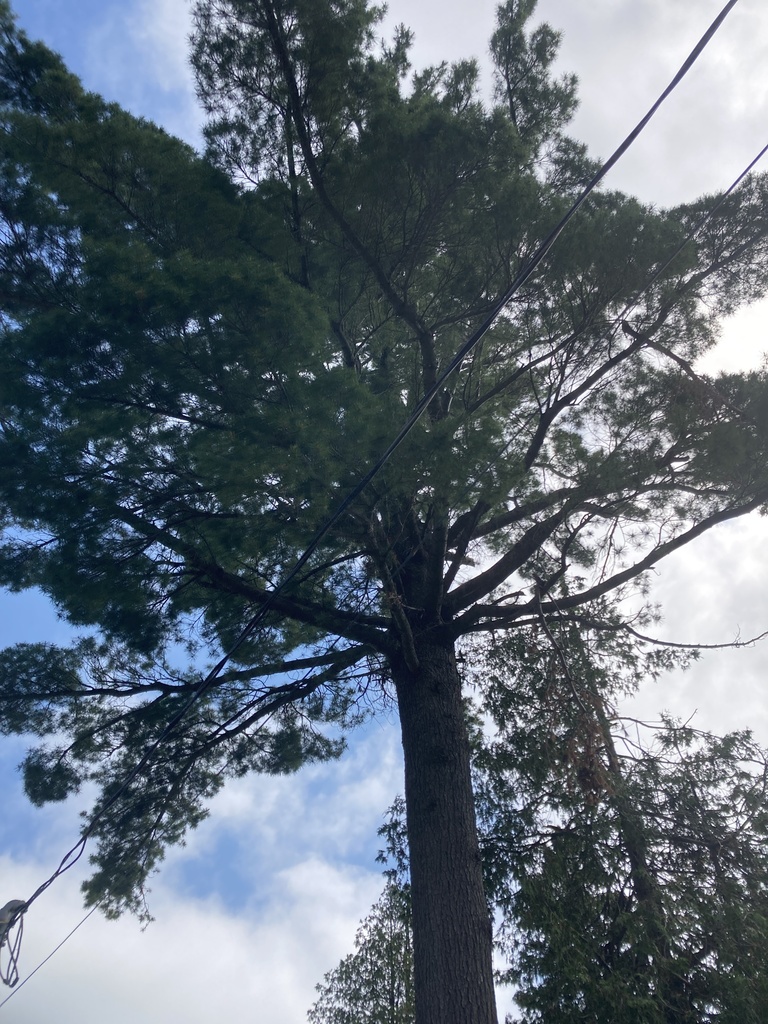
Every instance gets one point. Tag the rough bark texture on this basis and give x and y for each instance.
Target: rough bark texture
(451, 924)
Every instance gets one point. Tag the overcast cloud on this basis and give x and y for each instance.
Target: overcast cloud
(267, 894)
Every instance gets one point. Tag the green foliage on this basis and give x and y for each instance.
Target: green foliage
(39, 683)
(200, 354)
(539, 107)
(48, 777)
(592, 935)
(629, 865)
(374, 985)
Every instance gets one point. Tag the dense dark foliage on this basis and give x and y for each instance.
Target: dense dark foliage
(199, 354)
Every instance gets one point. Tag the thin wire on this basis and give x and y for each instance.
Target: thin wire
(691, 234)
(45, 961)
(520, 279)
(74, 854)
(617, 321)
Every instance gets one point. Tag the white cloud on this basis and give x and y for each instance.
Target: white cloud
(626, 51)
(743, 342)
(289, 840)
(270, 822)
(287, 869)
(444, 31)
(196, 962)
(134, 54)
(162, 27)
(715, 593)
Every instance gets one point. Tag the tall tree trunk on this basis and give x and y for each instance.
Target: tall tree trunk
(452, 932)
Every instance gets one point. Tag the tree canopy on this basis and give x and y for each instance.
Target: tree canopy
(200, 352)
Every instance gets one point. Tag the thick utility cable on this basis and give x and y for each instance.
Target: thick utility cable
(45, 961)
(522, 276)
(73, 855)
(617, 321)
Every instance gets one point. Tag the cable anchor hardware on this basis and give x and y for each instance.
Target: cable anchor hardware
(11, 914)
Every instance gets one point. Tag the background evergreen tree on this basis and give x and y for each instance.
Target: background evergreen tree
(626, 864)
(199, 354)
(629, 863)
(373, 985)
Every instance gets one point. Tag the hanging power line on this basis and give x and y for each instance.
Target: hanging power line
(472, 341)
(52, 953)
(74, 854)
(11, 932)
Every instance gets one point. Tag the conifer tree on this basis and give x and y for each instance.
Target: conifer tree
(373, 985)
(200, 353)
(626, 863)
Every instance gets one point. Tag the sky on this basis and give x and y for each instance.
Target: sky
(267, 893)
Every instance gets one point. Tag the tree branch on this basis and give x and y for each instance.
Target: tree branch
(530, 542)
(402, 308)
(493, 616)
(353, 626)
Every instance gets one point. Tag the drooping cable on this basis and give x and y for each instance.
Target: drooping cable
(45, 961)
(74, 854)
(11, 933)
(472, 341)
